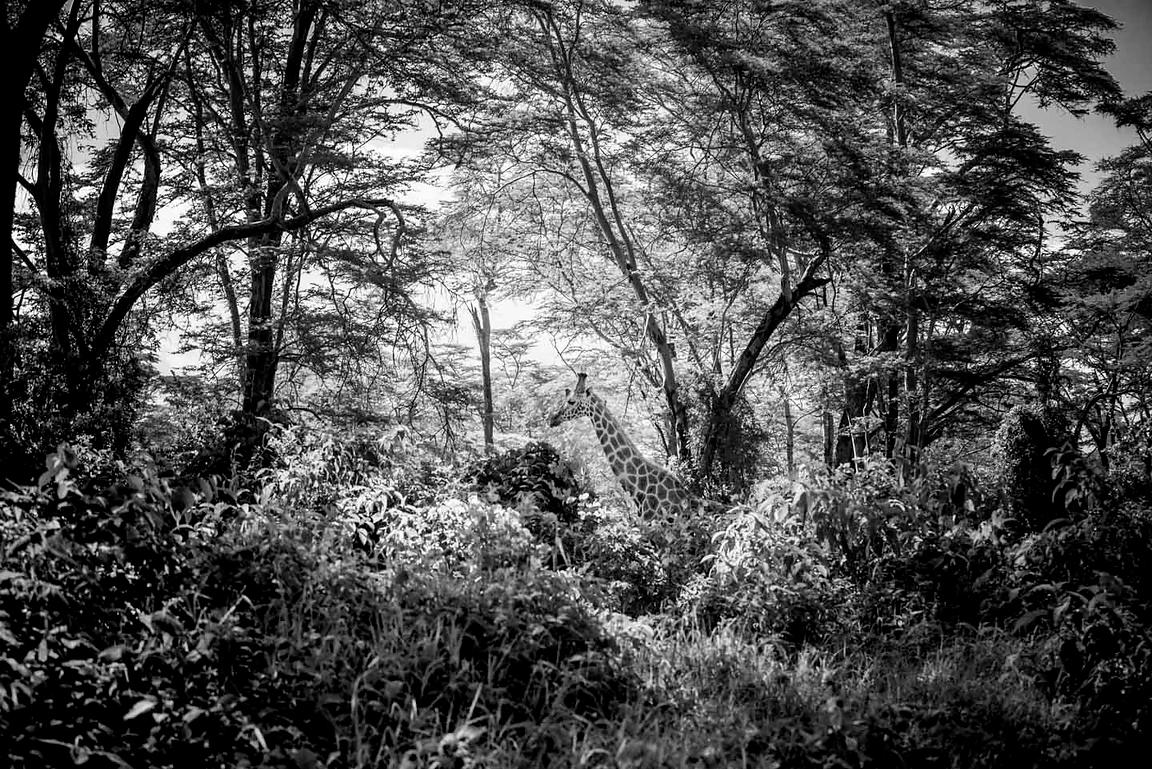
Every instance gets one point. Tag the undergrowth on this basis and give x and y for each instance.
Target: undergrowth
(365, 603)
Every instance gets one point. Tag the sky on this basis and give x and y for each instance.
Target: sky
(1095, 136)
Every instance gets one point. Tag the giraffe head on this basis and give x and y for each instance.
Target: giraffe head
(576, 403)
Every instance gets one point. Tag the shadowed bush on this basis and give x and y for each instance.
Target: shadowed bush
(129, 638)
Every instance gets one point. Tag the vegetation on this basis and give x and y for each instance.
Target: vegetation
(330, 621)
(260, 506)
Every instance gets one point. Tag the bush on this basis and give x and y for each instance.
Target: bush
(55, 396)
(1024, 468)
(534, 480)
(1080, 593)
(131, 637)
(951, 577)
(608, 544)
(771, 579)
(339, 661)
(360, 606)
(452, 537)
(90, 575)
(873, 511)
(186, 414)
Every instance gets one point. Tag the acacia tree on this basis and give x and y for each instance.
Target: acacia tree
(78, 293)
(297, 104)
(754, 152)
(137, 84)
(963, 190)
(697, 137)
(564, 83)
(757, 131)
(1106, 305)
(485, 244)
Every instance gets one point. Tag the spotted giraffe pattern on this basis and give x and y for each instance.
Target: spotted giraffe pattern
(653, 489)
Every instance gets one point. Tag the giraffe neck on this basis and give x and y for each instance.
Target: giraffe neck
(618, 446)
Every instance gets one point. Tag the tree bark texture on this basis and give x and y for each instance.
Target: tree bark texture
(482, 323)
(21, 45)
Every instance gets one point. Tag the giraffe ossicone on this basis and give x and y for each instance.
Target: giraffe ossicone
(652, 488)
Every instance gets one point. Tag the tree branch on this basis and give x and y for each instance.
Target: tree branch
(173, 261)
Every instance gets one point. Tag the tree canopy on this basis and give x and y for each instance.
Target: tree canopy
(734, 209)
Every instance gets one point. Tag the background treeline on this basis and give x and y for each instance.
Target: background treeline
(812, 253)
(798, 232)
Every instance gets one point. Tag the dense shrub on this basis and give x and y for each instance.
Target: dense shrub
(875, 510)
(950, 577)
(1081, 592)
(610, 545)
(132, 635)
(742, 440)
(90, 574)
(55, 397)
(532, 479)
(185, 421)
(362, 487)
(359, 665)
(1023, 467)
(771, 579)
(454, 536)
(579, 530)
(360, 604)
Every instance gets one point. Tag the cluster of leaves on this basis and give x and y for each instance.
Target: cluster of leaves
(361, 665)
(872, 511)
(868, 551)
(755, 704)
(533, 479)
(933, 555)
(184, 425)
(90, 576)
(772, 579)
(375, 490)
(1023, 468)
(42, 389)
(579, 530)
(1081, 591)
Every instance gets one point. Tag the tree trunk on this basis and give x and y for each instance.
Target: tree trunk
(21, 44)
(482, 323)
(851, 441)
(789, 439)
(828, 422)
(720, 412)
(913, 430)
(261, 357)
(883, 394)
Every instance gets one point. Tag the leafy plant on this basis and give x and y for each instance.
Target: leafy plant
(1021, 449)
(771, 578)
(533, 479)
(874, 511)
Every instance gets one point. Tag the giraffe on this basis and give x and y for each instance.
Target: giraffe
(652, 488)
